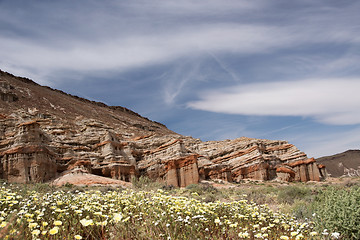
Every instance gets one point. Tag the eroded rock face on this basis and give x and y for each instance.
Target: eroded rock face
(29, 158)
(6, 93)
(258, 159)
(45, 134)
(183, 171)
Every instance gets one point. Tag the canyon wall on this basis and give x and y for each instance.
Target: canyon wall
(46, 134)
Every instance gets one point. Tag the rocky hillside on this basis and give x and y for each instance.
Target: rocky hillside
(346, 164)
(47, 134)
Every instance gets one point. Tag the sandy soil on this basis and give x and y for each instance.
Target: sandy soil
(83, 179)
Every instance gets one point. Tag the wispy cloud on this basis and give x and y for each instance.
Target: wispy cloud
(184, 78)
(330, 101)
(131, 51)
(135, 34)
(175, 81)
(225, 68)
(190, 7)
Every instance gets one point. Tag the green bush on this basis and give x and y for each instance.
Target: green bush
(290, 194)
(301, 209)
(260, 194)
(144, 182)
(338, 210)
(201, 189)
(204, 192)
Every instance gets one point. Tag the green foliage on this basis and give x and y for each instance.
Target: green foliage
(202, 189)
(144, 182)
(301, 209)
(204, 192)
(260, 195)
(339, 210)
(291, 193)
(68, 185)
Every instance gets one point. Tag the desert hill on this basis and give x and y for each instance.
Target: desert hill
(346, 164)
(25, 99)
(47, 134)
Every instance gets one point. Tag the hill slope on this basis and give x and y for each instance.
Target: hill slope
(23, 98)
(342, 164)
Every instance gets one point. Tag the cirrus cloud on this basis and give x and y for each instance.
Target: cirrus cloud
(128, 35)
(329, 101)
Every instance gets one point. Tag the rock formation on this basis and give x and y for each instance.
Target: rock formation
(45, 133)
(243, 158)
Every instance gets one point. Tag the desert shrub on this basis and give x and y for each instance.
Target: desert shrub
(351, 183)
(291, 193)
(339, 210)
(144, 182)
(68, 185)
(301, 209)
(202, 189)
(210, 198)
(257, 195)
(194, 188)
(204, 192)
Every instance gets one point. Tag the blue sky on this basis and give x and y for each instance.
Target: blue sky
(214, 70)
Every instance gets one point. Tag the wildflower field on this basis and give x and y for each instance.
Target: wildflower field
(137, 214)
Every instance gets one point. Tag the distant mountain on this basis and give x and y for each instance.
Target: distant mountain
(342, 164)
(46, 134)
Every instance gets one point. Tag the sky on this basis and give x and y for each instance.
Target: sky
(214, 70)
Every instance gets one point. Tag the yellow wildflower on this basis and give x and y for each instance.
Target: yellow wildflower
(54, 231)
(57, 223)
(35, 232)
(117, 217)
(86, 222)
(32, 225)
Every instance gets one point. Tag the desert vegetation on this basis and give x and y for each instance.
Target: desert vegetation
(252, 210)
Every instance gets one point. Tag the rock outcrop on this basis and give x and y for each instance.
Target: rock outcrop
(255, 159)
(47, 134)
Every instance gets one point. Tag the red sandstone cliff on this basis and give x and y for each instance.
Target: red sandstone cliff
(45, 133)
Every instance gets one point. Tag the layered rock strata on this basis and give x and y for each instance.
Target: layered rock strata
(257, 159)
(45, 134)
